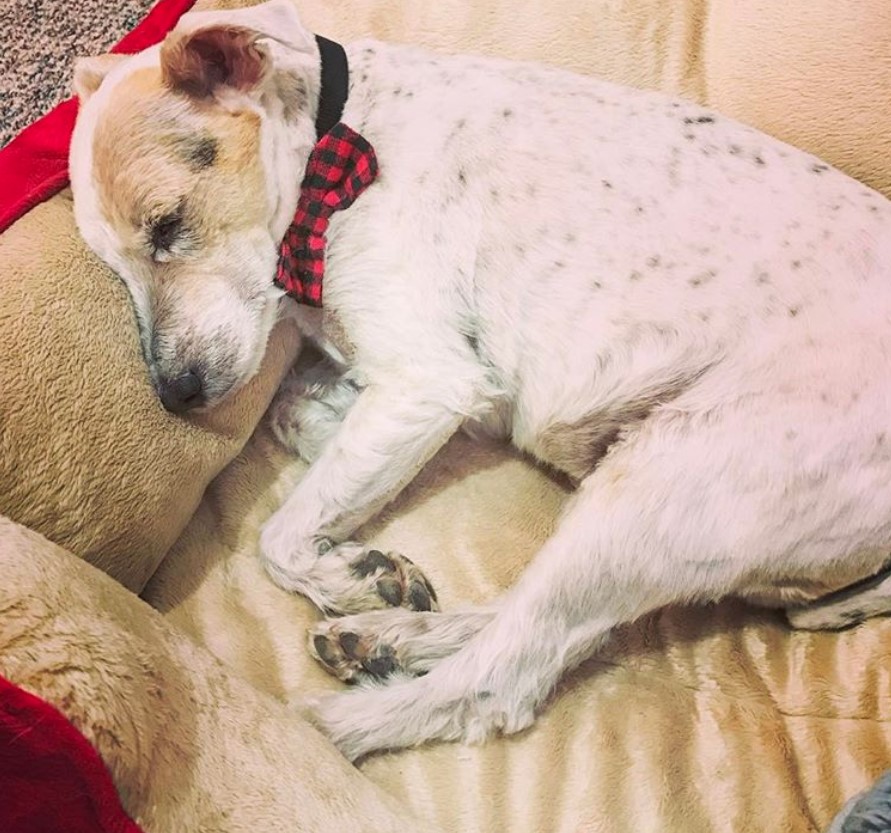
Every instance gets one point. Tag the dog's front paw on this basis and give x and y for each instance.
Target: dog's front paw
(344, 578)
(355, 579)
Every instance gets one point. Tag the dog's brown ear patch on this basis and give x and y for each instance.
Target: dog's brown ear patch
(200, 63)
(89, 73)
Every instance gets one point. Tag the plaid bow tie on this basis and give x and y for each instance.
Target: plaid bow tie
(341, 166)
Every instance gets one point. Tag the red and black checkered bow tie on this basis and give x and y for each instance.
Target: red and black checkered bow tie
(341, 166)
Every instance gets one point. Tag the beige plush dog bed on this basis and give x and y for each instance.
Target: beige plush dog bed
(693, 720)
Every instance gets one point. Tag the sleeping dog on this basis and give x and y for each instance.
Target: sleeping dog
(689, 319)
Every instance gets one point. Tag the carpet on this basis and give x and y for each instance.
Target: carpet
(42, 39)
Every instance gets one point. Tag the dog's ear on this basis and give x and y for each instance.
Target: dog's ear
(206, 61)
(89, 73)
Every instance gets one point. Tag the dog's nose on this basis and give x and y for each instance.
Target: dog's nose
(181, 393)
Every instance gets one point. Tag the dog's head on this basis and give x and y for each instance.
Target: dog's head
(185, 165)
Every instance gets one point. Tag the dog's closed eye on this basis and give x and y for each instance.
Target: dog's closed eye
(164, 232)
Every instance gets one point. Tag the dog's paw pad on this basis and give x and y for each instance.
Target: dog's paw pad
(348, 656)
(397, 581)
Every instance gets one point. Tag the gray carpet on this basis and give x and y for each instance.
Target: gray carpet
(41, 39)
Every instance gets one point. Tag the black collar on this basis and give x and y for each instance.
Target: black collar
(335, 85)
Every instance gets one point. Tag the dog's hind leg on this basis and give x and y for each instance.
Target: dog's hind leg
(705, 499)
(846, 607)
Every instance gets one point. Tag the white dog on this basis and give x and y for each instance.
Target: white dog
(690, 319)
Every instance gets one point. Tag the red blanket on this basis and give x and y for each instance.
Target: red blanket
(51, 778)
(34, 165)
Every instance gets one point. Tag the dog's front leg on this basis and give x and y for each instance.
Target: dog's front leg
(386, 438)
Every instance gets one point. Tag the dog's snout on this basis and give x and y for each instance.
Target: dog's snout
(181, 393)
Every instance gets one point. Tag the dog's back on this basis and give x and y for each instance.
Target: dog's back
(599, 247)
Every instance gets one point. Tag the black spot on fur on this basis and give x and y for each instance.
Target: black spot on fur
(635, 276)
(796, 264)
(654, 261)
(607, 184)
(507, 113)
(762, 278)
(819, 168)
(758, 160)
(734, 150)
(699, 120)
(201, 152)
(793, 311)
(462, 177)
